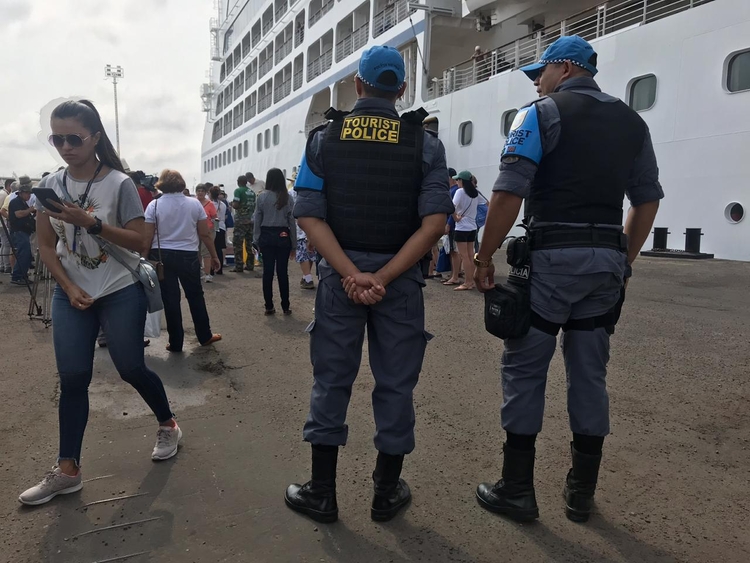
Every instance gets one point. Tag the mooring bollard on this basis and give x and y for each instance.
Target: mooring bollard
(693, 240)
(660, 238)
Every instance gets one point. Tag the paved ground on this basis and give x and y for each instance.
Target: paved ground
(674, 484)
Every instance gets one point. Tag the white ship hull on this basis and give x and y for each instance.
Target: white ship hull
(700, 130)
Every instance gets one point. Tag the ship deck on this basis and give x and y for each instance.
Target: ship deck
(673, 486)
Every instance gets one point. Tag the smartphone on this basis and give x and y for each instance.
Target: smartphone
(46, 196)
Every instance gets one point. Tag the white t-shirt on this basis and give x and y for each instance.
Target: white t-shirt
(257, 186)
(178, 221)
(221, 210)
(114, 199)
(466, 207)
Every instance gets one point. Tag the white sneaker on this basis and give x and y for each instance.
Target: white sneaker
(208, 278)
(55, 483)
(167, 440)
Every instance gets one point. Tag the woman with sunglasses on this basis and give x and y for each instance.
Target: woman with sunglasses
(93, 288)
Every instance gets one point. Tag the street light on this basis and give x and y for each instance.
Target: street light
(115, 72)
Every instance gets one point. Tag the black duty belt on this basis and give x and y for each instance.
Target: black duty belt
(548, 238)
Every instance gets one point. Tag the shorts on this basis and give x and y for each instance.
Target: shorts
(220, 241)
(304, 255)
(452, 240)
(204, 251)
(466, 236)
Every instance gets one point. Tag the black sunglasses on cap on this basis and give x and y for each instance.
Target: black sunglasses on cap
(75, 141)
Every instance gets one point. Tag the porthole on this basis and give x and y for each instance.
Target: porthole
(259, 142)
(738, 72)
(508, 118)
(246, 150)
(276, 135)
(267, 139)
(465, 133)
(642, 93)
(734, 212)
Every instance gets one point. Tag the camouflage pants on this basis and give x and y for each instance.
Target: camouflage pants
(243, 234)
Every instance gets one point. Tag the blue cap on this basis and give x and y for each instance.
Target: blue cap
(572, 48)
(377, 60)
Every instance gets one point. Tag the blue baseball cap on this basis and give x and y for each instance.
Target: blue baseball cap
(572, 48)
(377, 60)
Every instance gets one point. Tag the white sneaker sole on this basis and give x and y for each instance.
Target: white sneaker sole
(73, 489)
(172, 453)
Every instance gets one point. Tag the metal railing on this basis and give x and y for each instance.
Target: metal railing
(281, 10)
(284, 49)
(265, 101)
(352, 42)
(299, 37)
(592, 23)
(310, 126)
(282, 90)
(324, 9)
(297, 79)
(319, 65)
(250, 79)
(393, 13)
(267, 25)
(265, 67)
(249, 111)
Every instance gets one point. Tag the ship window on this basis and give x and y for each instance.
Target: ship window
(267, 139)
(508, 118)
(224, 159)
(260, 142)
(275, 135)
(642, 93)
(734, 212)
(245, 147)
(465, 133)
(738, 72)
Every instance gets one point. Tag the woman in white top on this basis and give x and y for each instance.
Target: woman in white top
(220, 240)
(175, 225)
(466, 201)
(93, 288)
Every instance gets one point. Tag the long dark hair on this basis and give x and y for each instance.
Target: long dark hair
(469, 188)
(275, 182)
(85, 112)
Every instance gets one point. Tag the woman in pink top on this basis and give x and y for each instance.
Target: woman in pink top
(213, 222)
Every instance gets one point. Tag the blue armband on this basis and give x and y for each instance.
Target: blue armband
(525, 139)
(307, 179)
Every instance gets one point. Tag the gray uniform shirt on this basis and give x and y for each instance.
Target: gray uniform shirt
(516, 176)
(434, 196)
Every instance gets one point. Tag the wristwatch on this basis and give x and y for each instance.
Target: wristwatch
(96, 228)
(482, 263)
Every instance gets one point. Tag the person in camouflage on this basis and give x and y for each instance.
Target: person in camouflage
(244, 206)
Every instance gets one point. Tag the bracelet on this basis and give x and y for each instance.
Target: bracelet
(482, 263)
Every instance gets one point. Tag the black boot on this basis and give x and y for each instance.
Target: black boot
(317, 497)
(513, 495)
(580, 485)
(391, 492)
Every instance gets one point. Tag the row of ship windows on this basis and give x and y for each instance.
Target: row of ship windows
(263, 141)
(641, 93)
(352, 34)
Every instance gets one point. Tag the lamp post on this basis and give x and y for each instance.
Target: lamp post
(115, 72)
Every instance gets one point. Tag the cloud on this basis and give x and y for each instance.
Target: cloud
(14, 12)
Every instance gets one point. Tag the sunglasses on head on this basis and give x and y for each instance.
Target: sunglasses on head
(75, 141)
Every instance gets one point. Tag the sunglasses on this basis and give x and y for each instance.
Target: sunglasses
(75, 141)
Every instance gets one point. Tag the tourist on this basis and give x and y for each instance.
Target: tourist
(94, 288)
(466, 201)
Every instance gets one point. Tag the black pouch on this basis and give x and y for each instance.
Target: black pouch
(507, 310)
(277, 237)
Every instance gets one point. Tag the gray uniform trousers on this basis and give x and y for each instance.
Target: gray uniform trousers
(397, 342)
(525, 362)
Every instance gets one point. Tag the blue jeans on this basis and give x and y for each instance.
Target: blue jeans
(122, 316)
(182, 267)
(22, 243)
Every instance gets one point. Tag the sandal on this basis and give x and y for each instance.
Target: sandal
(214, 338)
(448, 282)
(463, 287)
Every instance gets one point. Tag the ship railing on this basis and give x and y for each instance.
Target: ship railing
(284, 49)
(394, 12)
(352, 42)
(324, 9)
(590, 24)
(281, 10)
(310, 126)
(282, 90)
(250, 79)
(320, 64)
(299, 36)
(265, 101)
(267, 25)
(249, 112)
(265, 67)
(297, 78)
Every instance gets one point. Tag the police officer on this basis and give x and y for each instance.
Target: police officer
(372, 196)
(572, 155)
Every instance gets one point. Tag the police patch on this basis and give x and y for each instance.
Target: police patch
(371, 128)
(524, 139)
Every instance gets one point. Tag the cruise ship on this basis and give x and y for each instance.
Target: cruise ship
(278, 65)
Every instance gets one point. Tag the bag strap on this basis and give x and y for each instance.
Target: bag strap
(156, 218)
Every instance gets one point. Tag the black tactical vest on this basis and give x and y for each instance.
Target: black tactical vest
(583, 179)
(373, 174)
